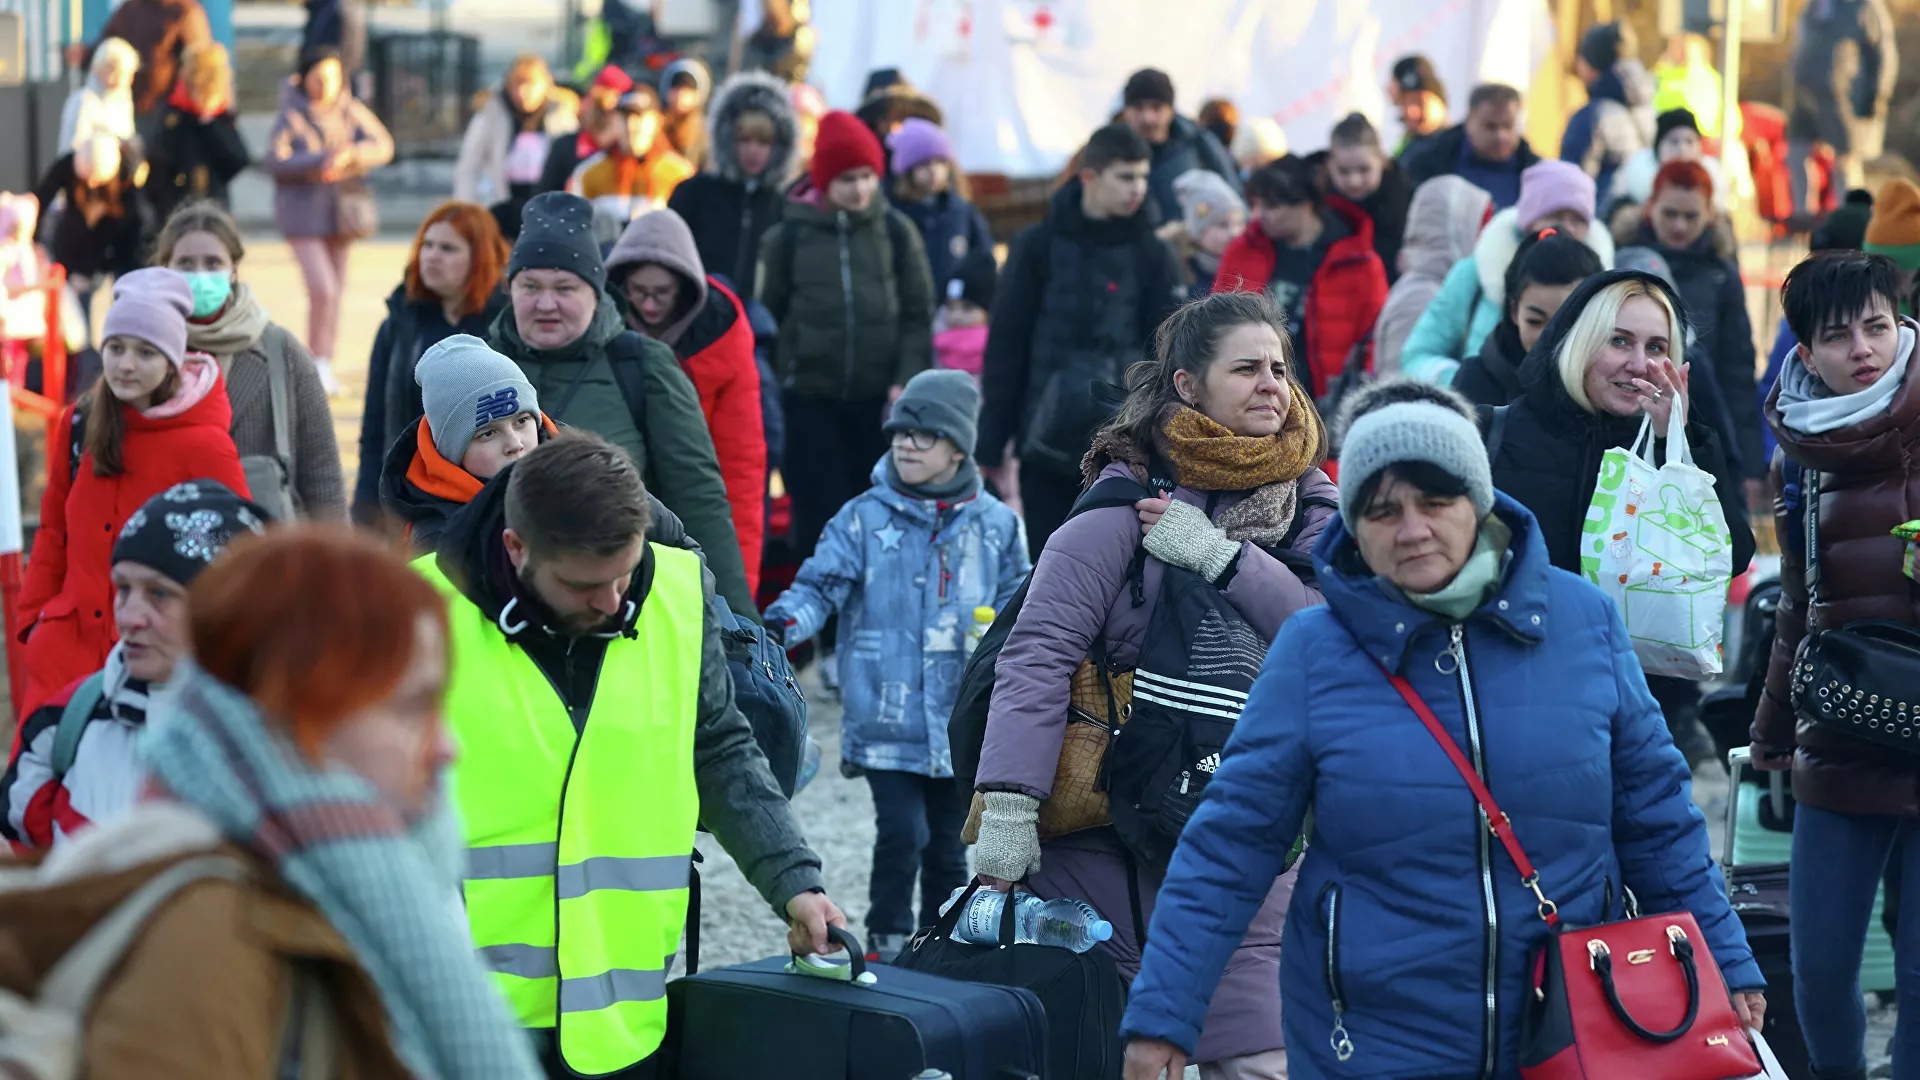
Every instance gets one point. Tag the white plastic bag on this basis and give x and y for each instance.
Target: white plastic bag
(1656, 541)
(1770, 1068)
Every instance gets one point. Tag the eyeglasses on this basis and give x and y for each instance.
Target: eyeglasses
(659, 296)
(915, 438)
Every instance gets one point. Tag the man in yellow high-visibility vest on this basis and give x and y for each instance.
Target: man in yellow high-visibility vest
(594, 711)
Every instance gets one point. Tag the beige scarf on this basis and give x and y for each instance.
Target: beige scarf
(233, 331)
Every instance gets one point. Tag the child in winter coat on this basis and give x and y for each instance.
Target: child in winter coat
(962, 343)
(481, 415)
(157, 416)
(24, 273)
(932, 191)
(847, 280)
(906, 564)
(1212, 214)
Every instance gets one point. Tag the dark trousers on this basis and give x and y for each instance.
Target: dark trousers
(1838, 862)
(919, 819)
(832, 447)
(1045, 498)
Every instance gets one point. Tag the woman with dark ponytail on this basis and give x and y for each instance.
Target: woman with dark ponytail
(1543, 273)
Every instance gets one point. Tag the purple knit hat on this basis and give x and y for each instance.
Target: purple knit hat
(1549, 187)
(916, 143)
(152, 305)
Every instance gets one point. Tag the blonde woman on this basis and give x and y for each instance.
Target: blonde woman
(1613, 354)
(199, 150)
(104, 104)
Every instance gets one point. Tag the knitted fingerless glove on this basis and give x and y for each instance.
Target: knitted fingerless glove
(1184, 537)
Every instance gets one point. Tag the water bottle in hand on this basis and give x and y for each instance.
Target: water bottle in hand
(1062, 924)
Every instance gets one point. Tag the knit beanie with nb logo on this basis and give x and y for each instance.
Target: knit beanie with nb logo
(465, 386)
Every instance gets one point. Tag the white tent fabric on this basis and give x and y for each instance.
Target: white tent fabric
(1022, 82)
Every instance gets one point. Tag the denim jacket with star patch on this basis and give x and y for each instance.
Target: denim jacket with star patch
(905, 575)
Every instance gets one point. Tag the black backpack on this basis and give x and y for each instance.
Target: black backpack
(1198, 661)
(967, 728)
(767, 694)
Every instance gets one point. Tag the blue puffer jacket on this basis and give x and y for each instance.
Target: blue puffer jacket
(1399, 865)
(905, 574)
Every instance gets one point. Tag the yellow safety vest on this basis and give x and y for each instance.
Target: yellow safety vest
(579, 933)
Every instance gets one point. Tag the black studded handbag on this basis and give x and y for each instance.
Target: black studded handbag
(1863, 678)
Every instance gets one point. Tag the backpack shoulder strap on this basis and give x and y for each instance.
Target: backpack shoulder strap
(1110, 491)
(74, 718)
(1493, 421)
(71, 985)
(628, 358)
(76, 442)
(309, 1038)
(277, 399)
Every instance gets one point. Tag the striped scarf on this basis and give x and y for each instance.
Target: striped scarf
(336, 842)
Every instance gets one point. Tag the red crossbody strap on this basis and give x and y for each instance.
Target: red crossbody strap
(1502, 824)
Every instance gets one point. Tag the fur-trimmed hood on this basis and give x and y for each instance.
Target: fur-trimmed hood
(1501, 239)
(752, 91)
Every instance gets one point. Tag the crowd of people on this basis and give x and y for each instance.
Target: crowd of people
(458, 799)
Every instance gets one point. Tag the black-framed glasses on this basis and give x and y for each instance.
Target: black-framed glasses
(915, 438)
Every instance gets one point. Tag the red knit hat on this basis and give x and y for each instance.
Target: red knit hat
(843, 144)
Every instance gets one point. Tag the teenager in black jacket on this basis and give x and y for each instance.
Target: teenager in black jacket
(752, 136)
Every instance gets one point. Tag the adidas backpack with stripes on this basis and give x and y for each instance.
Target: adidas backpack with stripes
(1197, 663)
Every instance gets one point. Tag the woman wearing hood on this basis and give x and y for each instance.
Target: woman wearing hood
(1443, 222)
(1552, 194)
(75, 762)
(684, 84)
(664, 292)
(104, 104)
(1409, 944)
(1614, 355)
(507, 141)
(324, 143)
(1846, 405)
(157, 416)
(751, 160)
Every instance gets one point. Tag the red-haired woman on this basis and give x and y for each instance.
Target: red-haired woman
(296, 782)
(157, 416)
(1682, 225)
(230, 324)
(454, 275)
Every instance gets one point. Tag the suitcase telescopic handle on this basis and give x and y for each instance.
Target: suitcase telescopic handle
(820, 967)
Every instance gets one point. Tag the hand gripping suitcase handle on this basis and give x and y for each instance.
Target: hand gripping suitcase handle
(820, 967)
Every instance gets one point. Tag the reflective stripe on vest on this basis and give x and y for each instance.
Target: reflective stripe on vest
(580, 931)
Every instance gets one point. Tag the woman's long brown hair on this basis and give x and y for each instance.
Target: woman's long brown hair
(106, 420)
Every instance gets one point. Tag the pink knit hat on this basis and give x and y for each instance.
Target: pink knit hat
(152, 305)
(1549, 187)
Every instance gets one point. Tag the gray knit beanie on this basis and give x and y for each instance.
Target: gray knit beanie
(465, 386)
(1399, 420)
(944, 401)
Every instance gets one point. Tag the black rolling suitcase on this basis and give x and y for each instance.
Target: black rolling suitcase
(881, 1023)
(1759, 896)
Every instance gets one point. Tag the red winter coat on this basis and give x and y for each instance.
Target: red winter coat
(1343, 300)
(716, 352)
(67, 605)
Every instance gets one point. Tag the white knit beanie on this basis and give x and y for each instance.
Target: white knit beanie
(1402, 420)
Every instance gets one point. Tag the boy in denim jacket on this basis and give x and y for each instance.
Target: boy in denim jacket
(905, 564)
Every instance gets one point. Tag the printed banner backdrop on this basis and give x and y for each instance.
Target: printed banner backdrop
(1024, 81)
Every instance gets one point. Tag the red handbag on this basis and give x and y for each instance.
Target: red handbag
(1650, 1001)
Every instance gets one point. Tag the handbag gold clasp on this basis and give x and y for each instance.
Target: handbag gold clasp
(1716, 1040)
(1547, 909)
(1640, 956)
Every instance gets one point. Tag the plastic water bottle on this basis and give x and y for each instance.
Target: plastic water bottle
(982, 619)
(1061, 924)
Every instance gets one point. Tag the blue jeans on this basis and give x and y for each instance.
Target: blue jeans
(1838, 862)
(919, 819)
